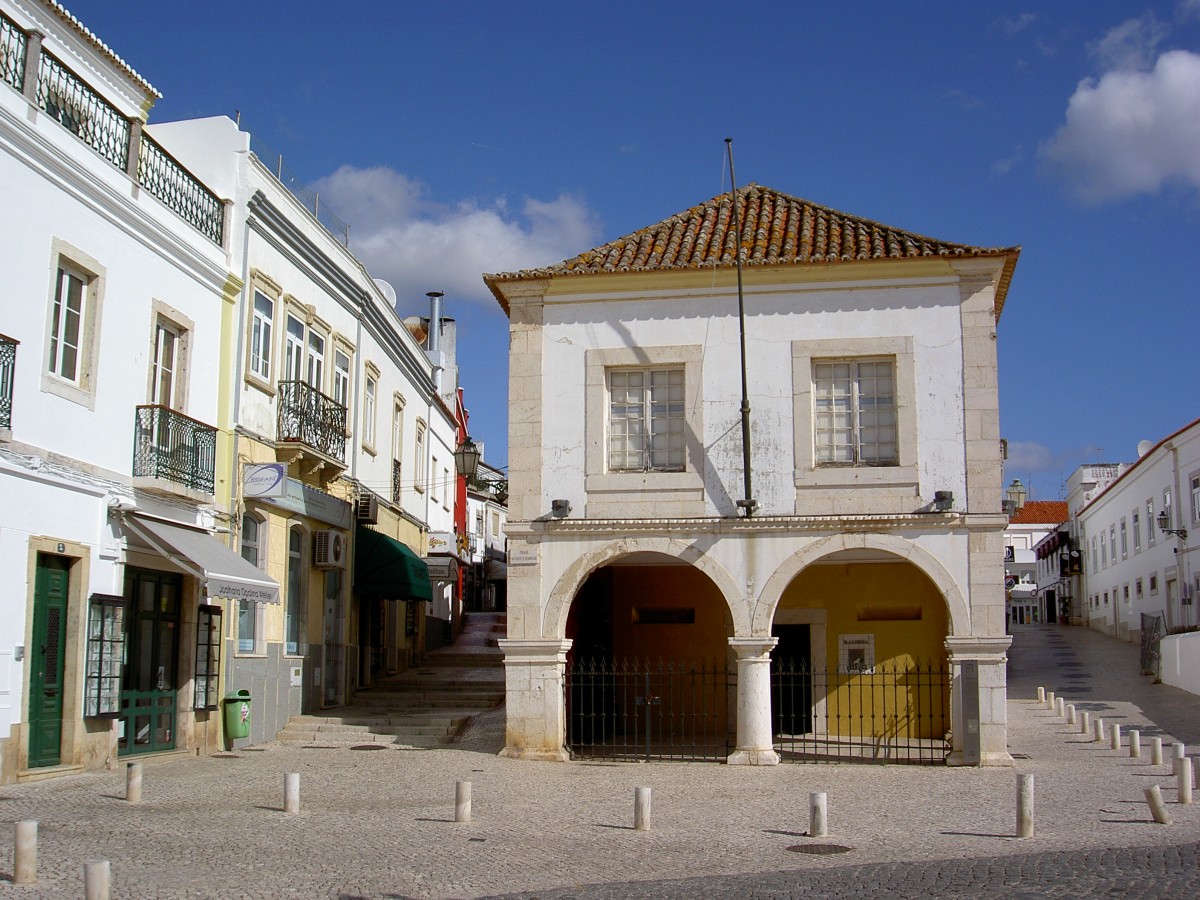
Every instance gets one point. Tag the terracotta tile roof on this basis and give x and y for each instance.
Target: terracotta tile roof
(778, 230)
(1041, 512)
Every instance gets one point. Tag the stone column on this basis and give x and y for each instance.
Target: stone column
(535, 714)
(754, 744)
(982, 718)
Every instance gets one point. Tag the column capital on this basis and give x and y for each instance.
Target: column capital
(534, 652)
(752, 647)
(984, 649)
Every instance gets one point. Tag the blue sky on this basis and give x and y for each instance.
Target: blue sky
(468, 137)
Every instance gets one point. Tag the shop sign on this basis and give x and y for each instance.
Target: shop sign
(264, 480)
(300, 498)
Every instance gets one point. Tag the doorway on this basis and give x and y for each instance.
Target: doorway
(51, 584)
(791, 694)
(148, 697)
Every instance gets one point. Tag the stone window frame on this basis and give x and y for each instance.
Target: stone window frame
(164, 314)
(82, 389)
(261, 283)
(597, 363)
(807, 474)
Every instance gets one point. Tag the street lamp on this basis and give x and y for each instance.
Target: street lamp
(466, 458)
(1016, 495)
(1164, 519)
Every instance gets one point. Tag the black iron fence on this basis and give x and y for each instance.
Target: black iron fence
(13, 45)
(639, 709)
(169, 445)
(307, 416)
(8, 367)
(891, 713)
(164, 177)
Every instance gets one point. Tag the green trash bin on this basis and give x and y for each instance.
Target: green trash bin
(237, 715)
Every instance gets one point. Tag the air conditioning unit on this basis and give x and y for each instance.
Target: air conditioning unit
(329, 550)
(368, 508)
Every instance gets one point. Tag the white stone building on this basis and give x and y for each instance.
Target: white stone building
(1135, 562)
(867, 531)
(1031, 597)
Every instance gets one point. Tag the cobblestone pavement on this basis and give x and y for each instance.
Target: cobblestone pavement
(380, 823)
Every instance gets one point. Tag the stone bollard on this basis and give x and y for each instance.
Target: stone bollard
(1098, 730)
(25, 852)
(1156, 751)
(1135, 743)
(291, 793)
(1071, 720)
(1085, 719)
(1041, 695)
(1179, 750)
(818, 814)
(97, 879)
(1183, 780)
(133, 782)
(1024, 805)
(641, 809)
(1158, 809)
(1115, 737)
(1061, 708)
(1049, 699)
(462, 801)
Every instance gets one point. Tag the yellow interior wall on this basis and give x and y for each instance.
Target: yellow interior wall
(668, 587)
(878, 590)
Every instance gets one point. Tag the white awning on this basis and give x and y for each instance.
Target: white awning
(220, 570)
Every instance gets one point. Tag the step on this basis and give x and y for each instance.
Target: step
(335, 737)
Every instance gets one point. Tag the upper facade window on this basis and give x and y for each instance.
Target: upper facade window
(854, 411)
(66, 323)
(73, 323)
(261, 330)
(646, 420)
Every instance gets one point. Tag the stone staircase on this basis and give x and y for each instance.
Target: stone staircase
(427, 706)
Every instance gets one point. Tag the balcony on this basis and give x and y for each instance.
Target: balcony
(312, 429)
(173, 454)
(8, 365)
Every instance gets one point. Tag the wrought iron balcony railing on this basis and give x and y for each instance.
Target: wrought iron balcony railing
(8, 365)
(171, 446)
(395, 481)
(71, 102)
(306, 416)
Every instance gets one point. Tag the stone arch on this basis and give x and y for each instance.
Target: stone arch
(959, 614)
(554, 619)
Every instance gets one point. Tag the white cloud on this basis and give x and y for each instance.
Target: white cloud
(1028, 456)
(1131, 45)
(419, 245)
(1131, 132)
(1002, 167)
(1018, 24)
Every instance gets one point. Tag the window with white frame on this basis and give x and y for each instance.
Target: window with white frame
(1124, 541)
(419, 463)
(370, 390)
(249, 617)
(646, 420)
(293, 355)
(66, 324)
(341, 378)
(1150, 535)
(1112, 542)
(314, 372)
(397, 445)
(447, 488)
(168, 365)
(293, 613)
(854, 412)
(1095, 557)
(1103, 553)
(1168, 508)
(434, 486)
(262, 324)
(1195, 498)
(73, 321)
(1137, 531)
(1137, 588)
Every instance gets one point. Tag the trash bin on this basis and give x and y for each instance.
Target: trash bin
(237, 715)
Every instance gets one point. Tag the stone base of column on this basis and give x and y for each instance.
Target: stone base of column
(986, 758)
(559, 755)
(535, 715)
(753, 758)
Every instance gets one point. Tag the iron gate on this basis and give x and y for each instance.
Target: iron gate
(890, 713)
(643, 710)
(1152, 632)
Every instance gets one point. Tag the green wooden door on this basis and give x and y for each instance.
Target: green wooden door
(51, 581)
(148, 695)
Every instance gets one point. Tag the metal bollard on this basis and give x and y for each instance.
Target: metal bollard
(133, 782)
(1071, 720)
(25, 852)
(1183, 780)
(291, 793)
(1115, 737)
(1024, 805)
(97, 879)
(1098, 730)
(1085, 719)
(1158, 809)
(1135, 743)
(1041, 695)
(462, 801)
(1156, 751)
(641, 809)
(818, 814)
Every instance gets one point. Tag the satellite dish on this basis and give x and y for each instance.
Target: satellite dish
(1144, 448)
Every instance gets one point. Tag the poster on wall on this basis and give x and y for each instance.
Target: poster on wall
(856, 654)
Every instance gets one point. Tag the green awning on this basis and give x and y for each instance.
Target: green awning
(384, 567)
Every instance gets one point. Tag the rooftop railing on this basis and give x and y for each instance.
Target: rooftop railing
(71, 102)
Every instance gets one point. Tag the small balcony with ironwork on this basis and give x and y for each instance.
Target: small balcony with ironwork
(173, 455)
(8, 366)
(312, 430)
